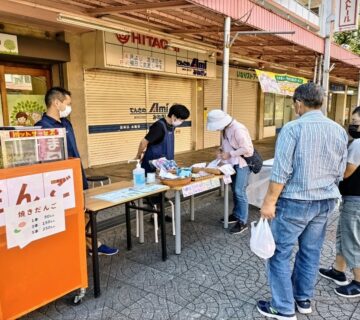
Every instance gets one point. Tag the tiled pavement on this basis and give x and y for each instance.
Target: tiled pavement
(215, 277)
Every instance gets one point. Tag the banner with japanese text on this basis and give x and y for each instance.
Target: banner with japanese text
(282, 84)
(347, 14)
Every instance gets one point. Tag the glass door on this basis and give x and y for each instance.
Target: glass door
(23, 102)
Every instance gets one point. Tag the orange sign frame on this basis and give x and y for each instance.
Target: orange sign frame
(48, 268)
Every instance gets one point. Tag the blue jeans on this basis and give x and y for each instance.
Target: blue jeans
(302, 221)
(238, 186)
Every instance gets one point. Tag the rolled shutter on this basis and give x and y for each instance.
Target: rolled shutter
(165, 91)
(109, 95)
(244, 104)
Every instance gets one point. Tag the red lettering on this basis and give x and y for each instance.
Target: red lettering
(163, 43)
(156, 43)
(23, 196)
(136, 37)
(149, 38)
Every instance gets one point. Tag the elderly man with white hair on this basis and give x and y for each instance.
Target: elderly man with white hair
(235, 144)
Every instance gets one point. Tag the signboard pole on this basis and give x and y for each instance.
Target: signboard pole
(225, 73)
(327, 18)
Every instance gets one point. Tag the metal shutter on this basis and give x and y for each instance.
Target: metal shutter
(167, 91)
(108, 97)
(212, 100)
(244, 104)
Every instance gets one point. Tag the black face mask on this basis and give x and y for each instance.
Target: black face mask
(353, 131)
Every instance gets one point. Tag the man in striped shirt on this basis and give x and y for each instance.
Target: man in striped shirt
(310, 159)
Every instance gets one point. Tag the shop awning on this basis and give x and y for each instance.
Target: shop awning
(200, 22)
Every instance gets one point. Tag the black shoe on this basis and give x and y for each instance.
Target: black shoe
(352, 290)
(232, 219)
(238, 228)
(304, 307)
(337, 276)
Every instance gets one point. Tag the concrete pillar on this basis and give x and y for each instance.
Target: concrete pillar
(74, 82)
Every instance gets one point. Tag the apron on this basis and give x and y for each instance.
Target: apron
(163, 149)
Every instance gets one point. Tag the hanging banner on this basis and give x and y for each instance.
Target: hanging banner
(347, 13)
(282, 84)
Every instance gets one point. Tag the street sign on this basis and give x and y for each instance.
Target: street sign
(347, 13)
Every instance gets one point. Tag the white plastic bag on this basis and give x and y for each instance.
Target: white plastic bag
(262, 241)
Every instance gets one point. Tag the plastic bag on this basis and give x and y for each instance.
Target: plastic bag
(262, 241)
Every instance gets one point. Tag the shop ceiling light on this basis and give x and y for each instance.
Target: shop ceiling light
(187, 47)
(92, 23)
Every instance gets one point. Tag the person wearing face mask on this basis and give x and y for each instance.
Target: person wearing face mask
(159, 141)
(310, 160)
(348, 230)
(235, 143)
(58, 103)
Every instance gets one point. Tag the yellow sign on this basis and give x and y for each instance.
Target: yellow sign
(279, 83)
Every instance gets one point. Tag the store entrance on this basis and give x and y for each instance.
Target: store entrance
(22, 94)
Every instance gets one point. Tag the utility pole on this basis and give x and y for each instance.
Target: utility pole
(325, 30)
(225, 69)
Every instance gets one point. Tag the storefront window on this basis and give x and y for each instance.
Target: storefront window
(269, 110)
(278, 110)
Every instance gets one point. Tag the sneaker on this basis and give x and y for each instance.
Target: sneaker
(337, 276)
(239, 227)
(267, 310)
(304, 307)
(104, 250)
(352, 290)
(232, 219)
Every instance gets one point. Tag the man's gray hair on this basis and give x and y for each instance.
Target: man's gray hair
(311, 94)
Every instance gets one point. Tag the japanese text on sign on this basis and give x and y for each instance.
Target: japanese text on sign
(32, 221)
(28, 189)
(200, 186)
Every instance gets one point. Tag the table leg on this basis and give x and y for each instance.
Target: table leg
(192, 208)
(221, 189)
(95, 254)
(163, 227)
(141, 222)
(226, 206)
(128, 226)
(177, 223)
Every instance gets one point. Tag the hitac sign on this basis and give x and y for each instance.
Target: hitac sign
(145, 40)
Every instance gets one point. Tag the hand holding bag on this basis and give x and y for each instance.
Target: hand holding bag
(262, 241)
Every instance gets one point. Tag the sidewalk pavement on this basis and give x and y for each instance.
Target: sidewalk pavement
(215, 277)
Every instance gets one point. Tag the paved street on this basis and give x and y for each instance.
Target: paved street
(215, 277)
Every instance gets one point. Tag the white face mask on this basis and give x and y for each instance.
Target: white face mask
(65, 113)
(177, 123)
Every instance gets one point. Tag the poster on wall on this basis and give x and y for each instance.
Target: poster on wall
(18, 82)
(25, 109)
(282, 84)
(8, 44)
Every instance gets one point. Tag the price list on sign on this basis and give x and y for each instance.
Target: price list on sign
(200, 186)
(33, 221)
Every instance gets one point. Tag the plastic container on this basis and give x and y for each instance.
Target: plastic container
(138, 175)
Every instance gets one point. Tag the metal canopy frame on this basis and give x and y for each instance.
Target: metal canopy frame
(186, 21)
